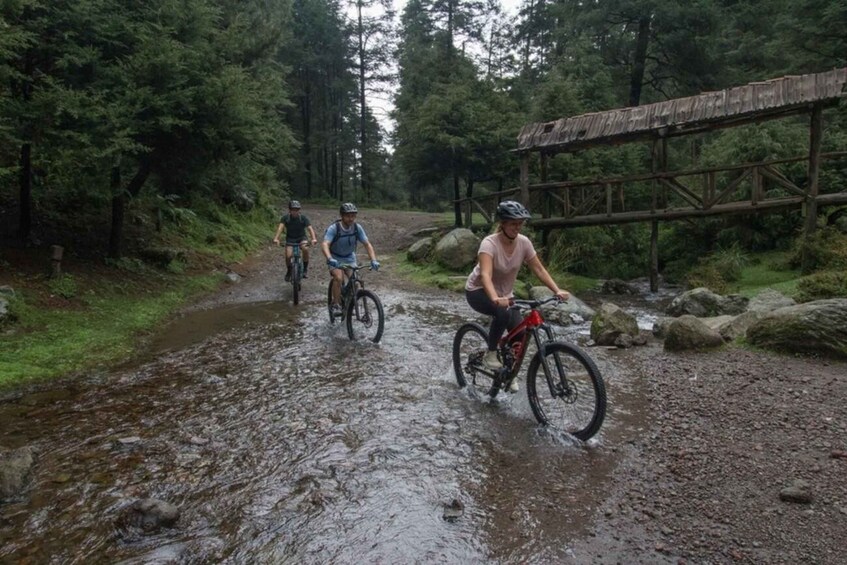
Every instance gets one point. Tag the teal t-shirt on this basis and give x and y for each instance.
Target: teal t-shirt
(295, 228)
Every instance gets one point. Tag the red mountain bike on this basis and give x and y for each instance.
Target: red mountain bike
(564, 385)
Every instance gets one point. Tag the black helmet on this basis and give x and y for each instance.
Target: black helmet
(511, 210)
(348, 208)
(294, 205)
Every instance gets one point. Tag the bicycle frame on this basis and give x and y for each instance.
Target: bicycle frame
(530, 326)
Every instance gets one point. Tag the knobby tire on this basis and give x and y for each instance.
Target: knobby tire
(580, 411)
(371, 315)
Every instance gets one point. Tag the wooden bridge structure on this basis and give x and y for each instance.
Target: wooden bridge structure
(664, 194)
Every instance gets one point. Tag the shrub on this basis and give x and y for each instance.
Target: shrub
(819, 286)
(64, 286)
(729, 262)
(827, 250)
(708, 275)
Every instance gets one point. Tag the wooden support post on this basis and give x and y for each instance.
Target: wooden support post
(654, 256)
(525, 179)
(608, 188)
(815, 134)
(755, 182)
(546, 211)
(56, 252)
(654, 166)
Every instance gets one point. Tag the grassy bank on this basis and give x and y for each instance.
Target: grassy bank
(94, 315)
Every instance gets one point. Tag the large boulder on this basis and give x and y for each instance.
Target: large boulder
(15, 465)
(610, 322)
(738, 325)
(458, 249)
(769, 300)
(690, 333)
(573, 311)
(814, 327)
(420, 250)
(702, 302)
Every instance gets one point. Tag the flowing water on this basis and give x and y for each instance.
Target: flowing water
(282, 441)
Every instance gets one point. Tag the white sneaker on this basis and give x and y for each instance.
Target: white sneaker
(490, 361)
(514, 386)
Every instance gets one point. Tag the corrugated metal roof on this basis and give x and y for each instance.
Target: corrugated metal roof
(732, 104)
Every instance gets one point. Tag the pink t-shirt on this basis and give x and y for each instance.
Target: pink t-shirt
(505, 267)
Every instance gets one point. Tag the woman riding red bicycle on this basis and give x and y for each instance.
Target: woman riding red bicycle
(489, 287)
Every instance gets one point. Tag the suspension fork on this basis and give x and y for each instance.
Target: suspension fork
(542, 351)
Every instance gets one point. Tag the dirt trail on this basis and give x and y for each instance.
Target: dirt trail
(730, 431)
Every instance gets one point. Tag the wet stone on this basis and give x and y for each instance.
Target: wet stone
(147, 515)
(799, 492)
(454, 510)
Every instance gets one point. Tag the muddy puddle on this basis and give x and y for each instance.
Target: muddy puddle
(282, 441)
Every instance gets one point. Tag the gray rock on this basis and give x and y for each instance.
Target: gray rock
(624, 341)
(703, 303)
(15, 466)
(689, 333)
(611, 321)
(617, 286)
(233, 277)
(420, 250)
(799, 492)
(7, 291)
(660, 326)
(148, 515)
(769, 300)
(5, 312)
(453, 511)
(563, 313)
(737, 327)
(458, 249)
(818, 327)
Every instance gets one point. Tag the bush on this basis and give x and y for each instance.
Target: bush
(831, 284)
(64, 286)
(708, 275)
(827, 250)
(729, 262)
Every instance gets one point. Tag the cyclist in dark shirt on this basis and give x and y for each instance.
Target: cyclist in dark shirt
(295, 225)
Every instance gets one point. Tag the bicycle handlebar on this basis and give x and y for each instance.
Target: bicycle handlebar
(353, 267)
(519, 304)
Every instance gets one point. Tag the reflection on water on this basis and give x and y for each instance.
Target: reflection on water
(280, 440)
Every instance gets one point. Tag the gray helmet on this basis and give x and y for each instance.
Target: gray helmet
(348, 208)
(294, 205)
(511, 210)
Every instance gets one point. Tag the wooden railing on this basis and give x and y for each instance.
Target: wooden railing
(745, 188)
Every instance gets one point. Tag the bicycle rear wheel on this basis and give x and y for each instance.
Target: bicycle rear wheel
(296, 275)
(365, 317)
(469, 346)
(577, 404)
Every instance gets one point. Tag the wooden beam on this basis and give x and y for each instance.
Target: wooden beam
(654, 256)
(815, 134)
(683, 191)
(771, 204)
(780, 179)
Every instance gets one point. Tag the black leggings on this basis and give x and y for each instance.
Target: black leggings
(501, 318)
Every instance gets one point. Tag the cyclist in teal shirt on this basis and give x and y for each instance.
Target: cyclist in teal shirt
(339, 248)
(296, 226)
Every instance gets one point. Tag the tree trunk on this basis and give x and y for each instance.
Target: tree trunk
(119, 197)
(636, 79)
(363, 144)
(118, 207)
(25, 221)
(306, 117)
(457, 208)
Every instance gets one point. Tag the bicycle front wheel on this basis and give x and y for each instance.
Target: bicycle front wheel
(329, 303)
(365, 317)
(577, 402)
(469, 346)
(296, 275)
